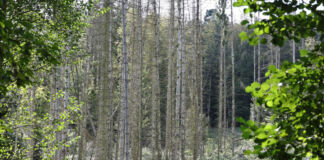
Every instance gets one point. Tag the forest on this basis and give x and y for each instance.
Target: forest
(161, 79)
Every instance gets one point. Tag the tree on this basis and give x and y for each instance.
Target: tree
(124, 126)
(233, 80)
(29, 36)
(156, 153)
(292, 93)
(170, 94)
(221, 77)
(102, 150)
(178, 80)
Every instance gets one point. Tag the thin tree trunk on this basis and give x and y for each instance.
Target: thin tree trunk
(156, 88)
(209, 100)
(258, 108)
(183, 88)
(252, 111)
(233, 81)
(168, 137)
(124, 126)
(30, 133)
(197, 80)
(220, 98)
(225, 98)
(278, 54)
(137, 147)
(178, 84)
(221, 82)
(110, 82)
(83, 128)
(183, 96)
(293, 51)
(200, 114)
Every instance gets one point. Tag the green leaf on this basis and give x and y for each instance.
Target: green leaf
(267, 29)
(2, 25)
(270, 103)
(248, 152)
(250, 123)
(272, 68)
(264, 41)
(265, 86)
(258, 32)
(244, 36)
(303, 53)
(244, 22)
(255, 85)
(246, 133)
(240, 119)
(262, 136)
(248, 89)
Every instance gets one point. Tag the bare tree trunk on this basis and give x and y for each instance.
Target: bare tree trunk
(124, 127)
(252, 110)
(83, 127)
(233, 80)
(156, 89)
(293, 51)
(178, 84)
(183, 88)
(136, 146)
(168, 137)
(221, 79)
(220, 98)
(102, 138)
(225, 98)
(197, 82)
(278, 54)
(110, 81)
(118, 136)
(271, 54)
(258, 108)
(30, 133)
(209, 101)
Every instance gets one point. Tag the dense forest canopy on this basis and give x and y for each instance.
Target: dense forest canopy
(126, 79)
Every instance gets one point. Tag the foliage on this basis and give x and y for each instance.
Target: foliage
(39, 126)
(33, 34)
(294, 93)
(287, 20)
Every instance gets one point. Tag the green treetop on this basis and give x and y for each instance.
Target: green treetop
(294, 93)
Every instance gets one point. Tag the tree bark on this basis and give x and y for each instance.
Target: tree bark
(178, 83)
(233, 81)
(156, 88)
(124, 126)
(169, 135)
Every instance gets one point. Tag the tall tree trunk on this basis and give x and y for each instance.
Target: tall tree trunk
(197, 80)
(183, 88)
(258, 108)
(220, 98)
(252, 110)
(137, 147)
(169, 135)
(293, 51)
(110, 81)
(225, 97)
(83, 127)
(156, 88)
(124, 127)
(178, 83)
(221, 80)
(30, 133)
(102, 138)
(233, 80)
